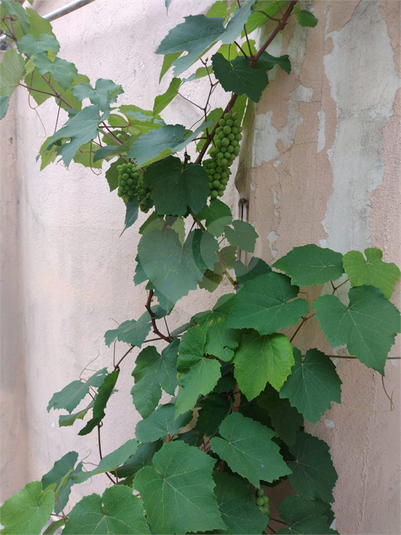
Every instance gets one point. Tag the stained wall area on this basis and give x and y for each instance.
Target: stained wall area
(320, 164)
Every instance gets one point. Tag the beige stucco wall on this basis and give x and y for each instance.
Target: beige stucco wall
(321, 165)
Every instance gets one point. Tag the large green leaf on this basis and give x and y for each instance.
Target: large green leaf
(247, 448)
(268, 61)
(262, 359)
(157, 144)
(218, 215)
(239, 77)
(27, 511)
(256, 267)
(30, 46)
(11, 70)
(71, 395)
(173, 268)
(103, 94)
(142, 457)
(304, 517)
(110, 462)
(212, 411)
(61, 70)
(368, 325)
(177, 490)
(4, 102)
(18, 15)
(264, 9)
(152, 373)
(195, 36)
(242, 235)
(164, 100)
(118, 511)
(313, 385)
(266, 303)
(101, 399)
(237, 22)
(305, 18)
(62, 468)
(237, 505)
(311, 264)
(187, 187)
(161, 423)
(80, 129)
(132, 332)
(371, 271)
(220, 340)
(313, 474)
(287, 421)
(200, 374)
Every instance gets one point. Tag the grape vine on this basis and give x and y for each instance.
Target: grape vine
(238, 389)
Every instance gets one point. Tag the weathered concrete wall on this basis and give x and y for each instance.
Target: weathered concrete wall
(321, 165)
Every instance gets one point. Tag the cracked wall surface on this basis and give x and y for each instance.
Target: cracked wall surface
(325, 169)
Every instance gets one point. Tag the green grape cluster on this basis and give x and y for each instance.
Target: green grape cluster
(130, 184)
(262, 501)
(224, 151)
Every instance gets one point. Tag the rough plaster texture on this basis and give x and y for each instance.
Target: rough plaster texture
(320, 163)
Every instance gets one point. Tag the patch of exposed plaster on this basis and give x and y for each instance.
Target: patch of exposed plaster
(356, 155)
(321, 133)
(272, 237)
(329, 423)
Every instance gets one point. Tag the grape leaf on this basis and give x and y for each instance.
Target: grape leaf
(81, 128)
(54, 526)
(65, 420)
(157, 144)
(268, 61)
(220, 341)
(70, 396)
(237, 505)
(218, 216)
(311, 264)
(265, 8)
(172, 267)
(27, 511)
(131, 215)
(164, 100)
(60, 469)
(161, 423)
(167, 62)
(31, 46)
(372, 271)
(12, 68)
(142, 457)
(39, 90)
(287, 421)
(239, 77)
(212, 411)
(262, 359)
(237, 21)
(152, 373)
(256, 267)
(368, 325)
(103, 94)
(188, 188)
(266, 303)
(304, 517)
(177, 490)
(131, 332)
(195, 36)
(247, 448)
(313, 474)
(59, 69)
(243, 235)
(4, 102)
(200, 374)
(118, 511)
(313, 385)
(14, 8)
(111, 461)
(101, 399)
(305, 18)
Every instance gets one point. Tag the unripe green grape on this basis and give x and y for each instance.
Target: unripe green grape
(227, 130)
(216, 183)
(213, 194)
(221, 187)
(125, 176)
(238, 137)
(235, 130)
(224, 161)
(222, 122)
(220, 155)
(231, 136)
(218, 130)
(229, 122)
(260, 501)
(227, 116)
(221, 135)
(230, 148)
(218, 143)
(227, 155)
(234, 143)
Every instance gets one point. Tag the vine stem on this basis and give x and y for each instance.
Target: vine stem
(168, 339)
